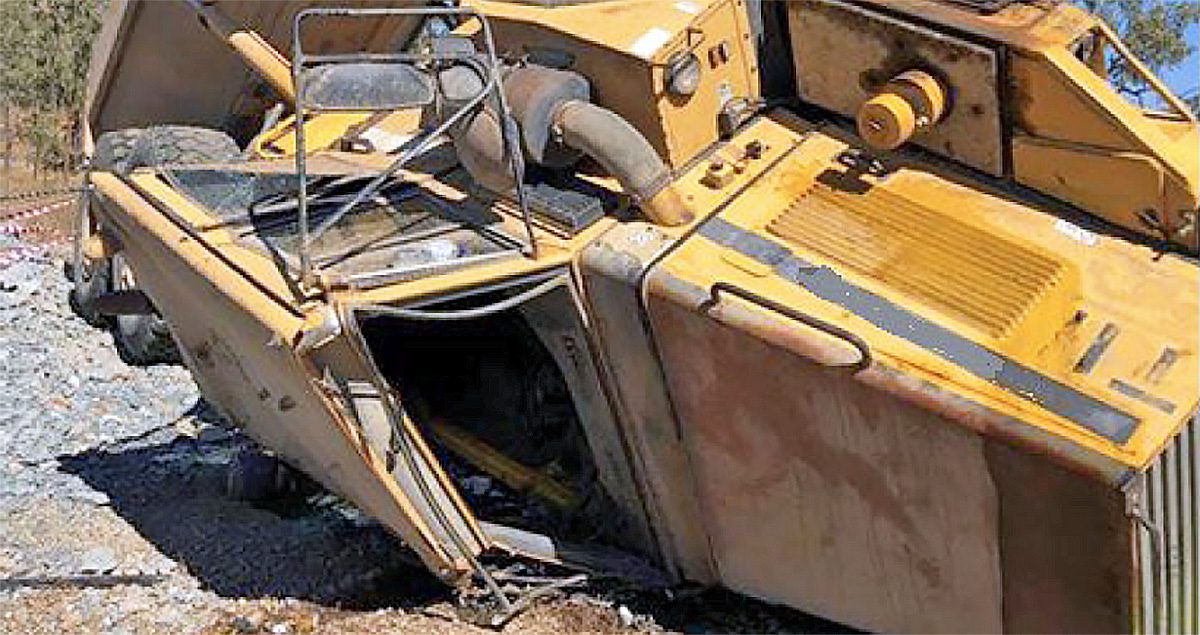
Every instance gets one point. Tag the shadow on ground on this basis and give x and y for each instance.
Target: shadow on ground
(316, 549)
(309, 548)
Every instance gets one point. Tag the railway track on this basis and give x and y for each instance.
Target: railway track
(33, 223)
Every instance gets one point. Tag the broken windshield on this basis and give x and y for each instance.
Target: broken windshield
(401, 228)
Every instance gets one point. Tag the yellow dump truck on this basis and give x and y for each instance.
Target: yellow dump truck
(884, 310)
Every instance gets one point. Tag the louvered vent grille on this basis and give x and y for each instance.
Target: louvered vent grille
(976, 277)
(1170, 564)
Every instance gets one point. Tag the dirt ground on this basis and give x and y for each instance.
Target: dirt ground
(114, 516)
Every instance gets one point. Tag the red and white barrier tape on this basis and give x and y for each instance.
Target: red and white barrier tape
(34, 212)
(24, 196)
(17, 225)
(9, 257)
(18, 231)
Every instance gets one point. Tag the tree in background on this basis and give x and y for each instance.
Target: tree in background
(45, 46)
(44, 51)
(1155, 30)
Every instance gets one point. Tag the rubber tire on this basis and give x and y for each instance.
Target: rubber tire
(114, 150)
(114, 153)
(182, 145)
(141, 340)
(145, 340)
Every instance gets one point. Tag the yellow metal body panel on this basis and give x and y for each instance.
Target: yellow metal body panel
(1055, 284)
(320, 133)
(998, 286)
(553, 251)
(1024, 106)
(1082, 135)
(1090, 315)
(218, 300)
(324, 130)
(623, 46)
(891, 499)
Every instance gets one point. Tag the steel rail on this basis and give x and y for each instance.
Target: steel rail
(491, 87)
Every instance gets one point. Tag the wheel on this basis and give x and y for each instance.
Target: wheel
(143, 340)
(175, 145)
(114, 153)
(114, 150)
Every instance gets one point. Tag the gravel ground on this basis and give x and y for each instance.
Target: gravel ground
(113, 516)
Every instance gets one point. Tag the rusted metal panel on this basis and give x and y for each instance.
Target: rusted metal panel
(559, 325)
(611, 271)
(1065, 547)
(829, 36)
(153, 63)
(826, 494)
(237, 342)
(801, 440)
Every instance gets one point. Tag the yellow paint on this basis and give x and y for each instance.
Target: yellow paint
(269, 63)
(512, 473)
(321, 131)
(553, 250)
(1002, 273)
(100, 246)
(622, 47)
(285, 322)
(910, 102)
(1005, 290)
(1031, 276)
(1079, 133)
(1071, 134)
(1082, 134)
(886, 121)
(264, 59)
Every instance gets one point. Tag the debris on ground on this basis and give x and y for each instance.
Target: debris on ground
(115, 513)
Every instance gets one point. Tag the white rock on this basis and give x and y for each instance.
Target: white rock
(89, 495)
(625, 616)
(98, 560)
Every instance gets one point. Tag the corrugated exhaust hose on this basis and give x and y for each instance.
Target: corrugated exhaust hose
(616, 145)
(551, 108)
(479, 140)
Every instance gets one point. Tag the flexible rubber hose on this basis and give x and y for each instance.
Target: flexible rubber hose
(624, 153)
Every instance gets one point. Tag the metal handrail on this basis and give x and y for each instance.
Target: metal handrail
(492, 87)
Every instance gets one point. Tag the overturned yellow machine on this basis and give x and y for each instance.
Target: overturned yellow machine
(883, 310)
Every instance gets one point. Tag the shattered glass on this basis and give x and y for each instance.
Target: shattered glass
(231, 193)
(402, 226)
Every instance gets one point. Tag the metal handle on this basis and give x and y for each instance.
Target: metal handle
(821, 325)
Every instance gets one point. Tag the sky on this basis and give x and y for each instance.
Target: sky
(1185, 78)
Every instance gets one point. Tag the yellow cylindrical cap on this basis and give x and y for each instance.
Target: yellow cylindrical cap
(886, 121)
(910, 102)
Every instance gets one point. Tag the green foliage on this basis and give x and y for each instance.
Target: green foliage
(1155, 31)
(44, 51)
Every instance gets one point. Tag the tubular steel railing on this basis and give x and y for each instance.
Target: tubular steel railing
(420, 144)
